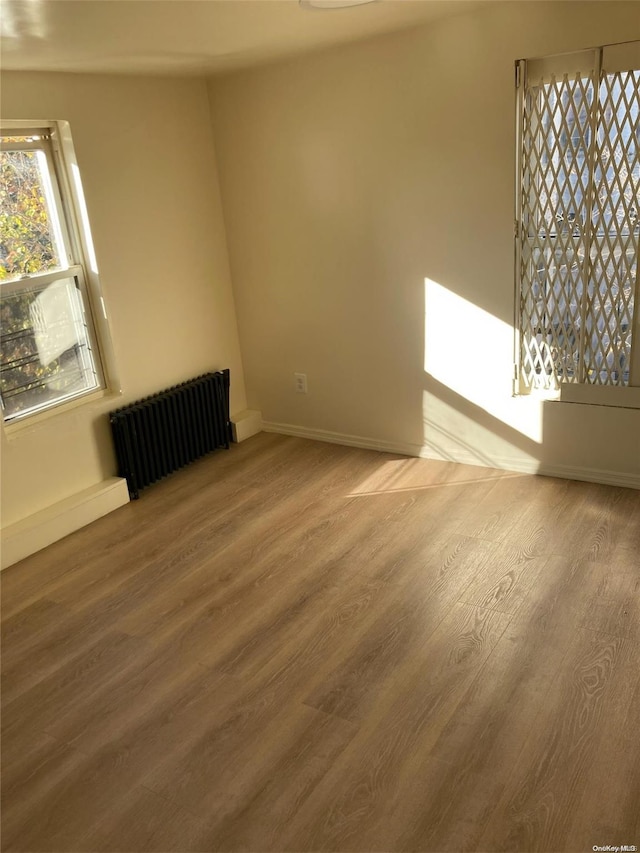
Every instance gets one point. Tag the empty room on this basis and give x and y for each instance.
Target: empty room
(320, 382)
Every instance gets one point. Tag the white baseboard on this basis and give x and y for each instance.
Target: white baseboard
(245, 424)
(402, 448)
(35, 532)
(591, 475)
(462, 456)
(533, 466)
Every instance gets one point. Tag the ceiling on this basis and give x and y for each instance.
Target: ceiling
(190, 37)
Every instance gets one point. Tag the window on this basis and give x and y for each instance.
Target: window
(48, 349)
(578, 219)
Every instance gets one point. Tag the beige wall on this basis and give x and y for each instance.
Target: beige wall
(349, 179)
(146, 156)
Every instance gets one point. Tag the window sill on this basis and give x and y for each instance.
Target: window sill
(601, 395)
(12, 430)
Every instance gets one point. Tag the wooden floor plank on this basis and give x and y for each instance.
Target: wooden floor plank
(295, 646)
(259, 820)
(232, 763)
(609, 805)
(31, 819)
(400, 632)
(150, 824)
(375, 773)
(57, 807)
(65, 636)
(614, 607)
(74, 685)
(552, 774)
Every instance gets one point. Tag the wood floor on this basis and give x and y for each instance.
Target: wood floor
(294, 646)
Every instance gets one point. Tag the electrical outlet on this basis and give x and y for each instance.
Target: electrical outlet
(300, 382)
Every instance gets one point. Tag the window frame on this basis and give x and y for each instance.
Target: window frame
(599, 61)
(81, 264)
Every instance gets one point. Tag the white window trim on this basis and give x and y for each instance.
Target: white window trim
(601, 395)
(74, 207)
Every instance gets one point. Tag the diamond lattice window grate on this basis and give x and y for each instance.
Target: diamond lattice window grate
(580, 204)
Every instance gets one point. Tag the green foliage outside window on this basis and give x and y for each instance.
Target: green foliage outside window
(26, 241)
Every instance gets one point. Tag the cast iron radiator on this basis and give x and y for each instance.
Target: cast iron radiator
(164, 432)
